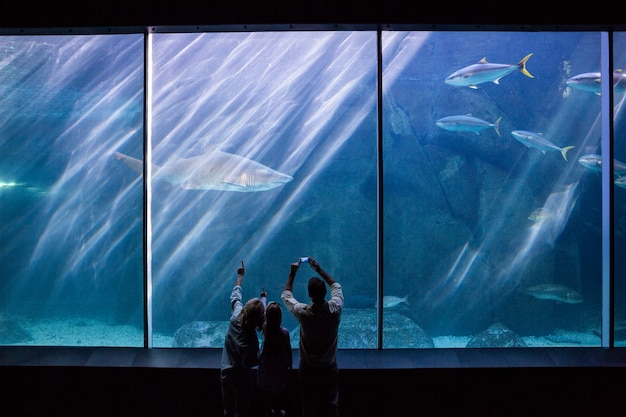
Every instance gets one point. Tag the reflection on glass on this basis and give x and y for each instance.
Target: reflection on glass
(492, 228)
(264, 150)
(71, 221)
(619, 207)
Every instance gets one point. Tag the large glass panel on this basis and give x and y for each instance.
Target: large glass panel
(264, 151)
(619, 170)
(492, 232)
(70, 218)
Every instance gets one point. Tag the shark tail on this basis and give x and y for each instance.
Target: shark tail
(497, 125)
(522, 65)
(133, 163)
(564, 151)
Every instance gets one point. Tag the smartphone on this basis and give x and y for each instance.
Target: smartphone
(304, 260)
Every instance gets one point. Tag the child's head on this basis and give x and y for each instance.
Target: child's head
(273, 315)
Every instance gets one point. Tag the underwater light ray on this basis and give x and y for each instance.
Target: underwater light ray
(61, 221)
(135, 226)
(164, 225)
(559, 205)
(455, 276)
(90, 110)
(89, 162)
(343, 131)
(166, 228)
(56, 231)
(87, 249)
(560, 202)
(409, 45)
(229, 123)
(200, 230)
(100, 227)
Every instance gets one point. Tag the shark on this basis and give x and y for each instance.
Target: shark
(215, 170)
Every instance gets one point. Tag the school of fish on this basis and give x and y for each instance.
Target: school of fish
(485, 72)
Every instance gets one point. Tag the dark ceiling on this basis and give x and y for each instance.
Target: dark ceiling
(435, 14)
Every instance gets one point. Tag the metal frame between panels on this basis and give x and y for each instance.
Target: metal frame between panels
(147, 201)
(608, 241)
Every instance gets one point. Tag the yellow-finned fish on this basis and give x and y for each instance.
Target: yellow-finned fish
(594, 163)
(467, 123)
(485, 72)
(537, 141)
(592, 82)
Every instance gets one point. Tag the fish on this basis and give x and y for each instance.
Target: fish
(484, 72)
(537, 141)
(215, 170)
(540, 214)
(620, 181)
(467, 123)
(307, 213)
(594, 163)
(554, 292)
(592, 82)
(390, 301)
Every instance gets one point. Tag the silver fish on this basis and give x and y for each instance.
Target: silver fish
(537, 141)
(467, 123)
(540, 214)
(216, 170)
(390, 301)
(594, 163)
(620, 181)
(554, 292)
(592, 82)
(484, 72)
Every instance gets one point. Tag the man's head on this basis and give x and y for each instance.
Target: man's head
(253, 314)
(317, 290)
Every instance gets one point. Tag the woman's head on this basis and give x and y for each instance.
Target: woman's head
(253, 314)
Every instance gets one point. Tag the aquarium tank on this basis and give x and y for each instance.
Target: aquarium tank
(451, 182)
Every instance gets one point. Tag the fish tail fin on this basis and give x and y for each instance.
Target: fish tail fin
(497, 125)
(522, 65)
(564, 151)
(133, 163)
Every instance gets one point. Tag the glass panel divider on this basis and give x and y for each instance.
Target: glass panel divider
(606, 57)
(147, 177)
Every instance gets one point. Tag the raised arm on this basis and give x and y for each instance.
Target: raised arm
(236, 300)
(317, 268)
(240, 273)
(292, 276)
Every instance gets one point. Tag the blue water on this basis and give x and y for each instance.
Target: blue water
(456, 235)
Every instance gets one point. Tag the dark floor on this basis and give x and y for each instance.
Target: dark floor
(136, 382)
